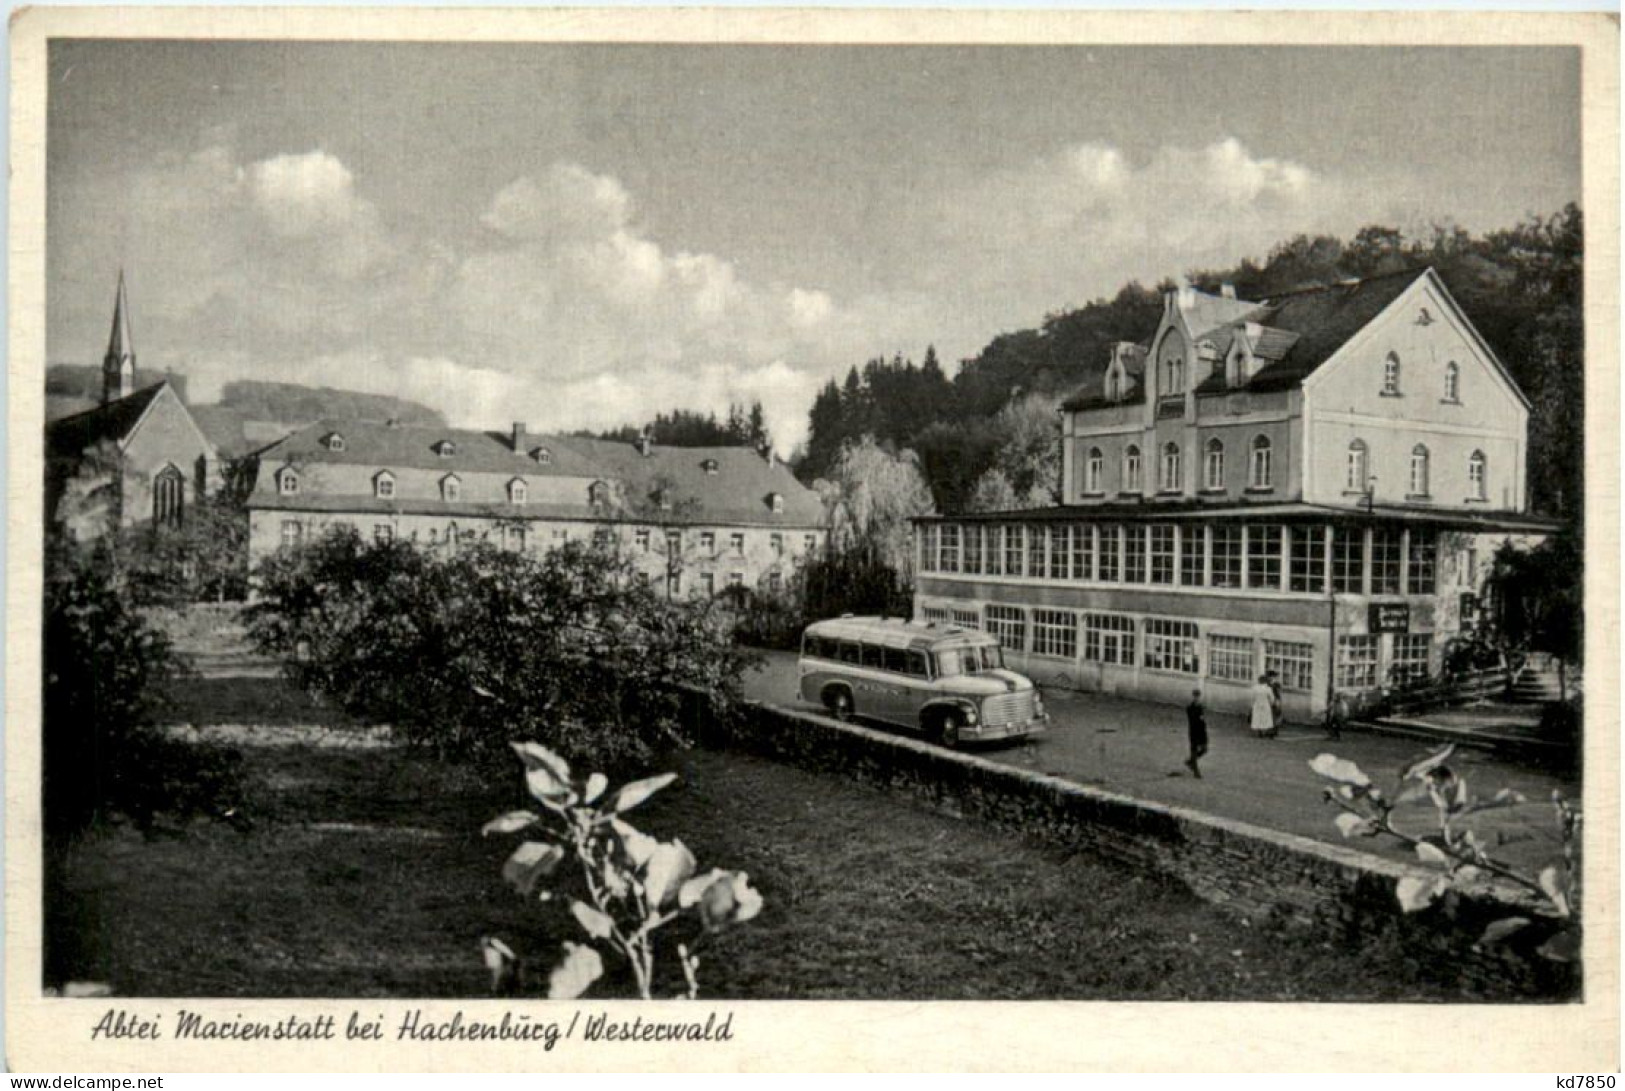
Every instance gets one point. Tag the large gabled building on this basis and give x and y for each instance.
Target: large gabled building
(1311, 484)
(699, 520)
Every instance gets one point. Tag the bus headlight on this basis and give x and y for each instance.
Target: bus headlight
(1038, 705)
(970, 714)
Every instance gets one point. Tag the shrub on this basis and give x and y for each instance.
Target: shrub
(460, 652)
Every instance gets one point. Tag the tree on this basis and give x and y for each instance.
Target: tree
(1537, 598)
(873, 494)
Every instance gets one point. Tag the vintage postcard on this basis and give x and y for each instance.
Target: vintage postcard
(761, 540)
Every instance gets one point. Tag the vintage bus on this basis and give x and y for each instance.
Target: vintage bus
(943, 680)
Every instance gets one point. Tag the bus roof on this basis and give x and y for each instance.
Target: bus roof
(895, 632)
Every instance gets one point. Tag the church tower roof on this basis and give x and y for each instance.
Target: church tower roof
(118, 366)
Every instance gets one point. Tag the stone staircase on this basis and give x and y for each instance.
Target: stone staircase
(1540, 681)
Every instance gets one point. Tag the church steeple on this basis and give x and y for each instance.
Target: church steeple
(118, 366)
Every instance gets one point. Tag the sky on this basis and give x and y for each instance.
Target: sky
(580, 236)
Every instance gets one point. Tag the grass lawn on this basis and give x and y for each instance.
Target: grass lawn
(365, 875)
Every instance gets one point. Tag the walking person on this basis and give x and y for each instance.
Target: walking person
(1263, 717)
(1196, 729)
(1275, 701)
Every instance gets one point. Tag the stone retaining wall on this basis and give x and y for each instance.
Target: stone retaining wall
(1271, 878)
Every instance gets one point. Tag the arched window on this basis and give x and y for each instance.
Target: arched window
(1390, 374)
(1170, 468)
(451, 488)
(1132, 481)
(169, 497)
(1261, 468)
(1477, 484)
(1419, 470)
(1213, 465)
(1452, 382)
(517, 491)
(1114, 384)
(383, 485)
(1093, 470)
(1358, 477)
(287, 482)
(1173, 375)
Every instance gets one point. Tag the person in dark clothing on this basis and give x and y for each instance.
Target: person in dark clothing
(1196, 728)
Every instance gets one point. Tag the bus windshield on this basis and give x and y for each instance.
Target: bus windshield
(972, 660)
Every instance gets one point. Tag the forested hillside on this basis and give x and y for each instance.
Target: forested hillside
(1521, 287)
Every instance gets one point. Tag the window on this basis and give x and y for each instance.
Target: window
(1060, 553)
(1308, 560)
(970, 619)
(1452, 382)
(1037, 552)
(1015, 546)
(1009, 625)
(674, 543)
(1385, 562)
(292, 532)
(1230, 658)
(949, 559)
(1055, 633)
(1192, 546)
(1134, 554)
(451, 488)
(928, 548)
(1410, 657)
(641, 539)
(560, 535)
(1421, 571)
(1227, 555)
(1108, 638)
(517, 491)
(1111, 550)
(287, 483)
(776, 501)
(1419, 470)
(809, 542)
(1114, 385)
(1083, 552)
(674, 583)
(995, 550)
(896, 660)
(1213, 466)
(1261, 468)
(934, 615)
(1170, 481)
(542, 455)
(383, 533)
(1477, 487)
(1294, 663)
(736, 542)
(1162, 553)
(850, 652)
(445, 448)
(1356, 662)
(1264, 556)
(1173, 379)
(1131, 469)
(1390, 375)
(169, 498)
(516, 539)
(775, 542)
(1171, 645)
(1094, 471)
(335, 442)
(598, 496)
(603, 538)
(736, 579)
(708, 584)
(1348, 560)
(709, 465)
(1356, 479)
(708, 543)
(973, 550)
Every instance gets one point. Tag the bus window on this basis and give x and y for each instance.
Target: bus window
(874, 657)
(849, 652)
(897, 660)
(948, 663)
(992, 657)
(916, 664)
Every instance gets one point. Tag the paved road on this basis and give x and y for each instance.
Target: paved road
(1138, 749)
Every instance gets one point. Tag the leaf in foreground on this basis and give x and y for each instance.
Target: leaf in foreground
(530, 863)
(1339, 769)
(582, 966)
(1417, 893)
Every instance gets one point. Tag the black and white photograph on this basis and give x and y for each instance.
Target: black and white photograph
(517, 524)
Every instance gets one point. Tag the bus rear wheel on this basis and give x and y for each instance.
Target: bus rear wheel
(839, 703)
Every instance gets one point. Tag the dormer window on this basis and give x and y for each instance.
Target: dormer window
(542, 456)
(776, 502)
(709, 466)
(287, 482)
(517, 491)
(662, 498)
(445, 448)
(383, 485)
(598, 494)
(451, 487)
(1114, 383)
(333, 441)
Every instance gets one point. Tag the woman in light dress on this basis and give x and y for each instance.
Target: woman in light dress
(1264, 706)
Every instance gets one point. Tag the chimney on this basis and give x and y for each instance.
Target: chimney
(518, 437)
(766, 451)
(1228, 291)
